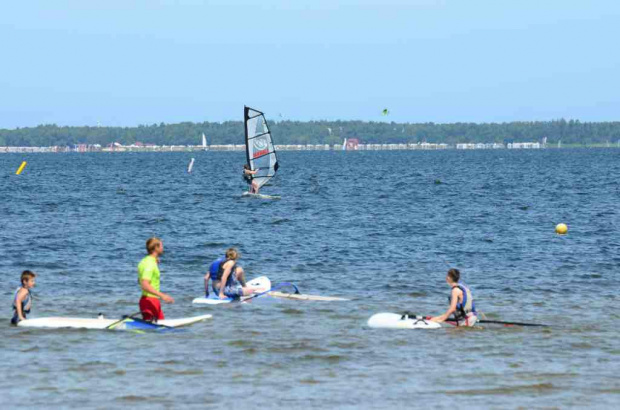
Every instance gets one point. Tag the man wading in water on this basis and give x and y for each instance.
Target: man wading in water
(148, 278)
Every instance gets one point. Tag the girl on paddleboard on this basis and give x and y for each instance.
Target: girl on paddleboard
(230, 279)
(462, 311)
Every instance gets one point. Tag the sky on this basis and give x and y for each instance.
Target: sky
(130, 62)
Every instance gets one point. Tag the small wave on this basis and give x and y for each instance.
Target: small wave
(172, 362)
(134, 398)
(291, 311)
(279, 221)
(331, 359)
(187, 372)
(540, 387)
(240, 343)
(310, 381)
(214, 244)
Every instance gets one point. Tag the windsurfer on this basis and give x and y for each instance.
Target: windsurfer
(248, 176)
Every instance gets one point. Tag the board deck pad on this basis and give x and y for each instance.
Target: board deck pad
(400, 321)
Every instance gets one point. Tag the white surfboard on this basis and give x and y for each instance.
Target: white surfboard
(400, 321)
(85, 323)
(261, 284)
(260, 196)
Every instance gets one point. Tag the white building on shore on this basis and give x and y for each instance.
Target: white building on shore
(141, 147)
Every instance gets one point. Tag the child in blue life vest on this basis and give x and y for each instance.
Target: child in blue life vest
(22, 301)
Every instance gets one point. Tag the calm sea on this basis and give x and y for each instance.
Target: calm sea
(380, 228)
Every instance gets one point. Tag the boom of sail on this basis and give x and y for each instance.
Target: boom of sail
(261, 153)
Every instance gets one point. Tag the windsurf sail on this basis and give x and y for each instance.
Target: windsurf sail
(261, 152)
(204, 141)
(344, 145)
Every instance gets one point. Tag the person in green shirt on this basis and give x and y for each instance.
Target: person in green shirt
(148, 278)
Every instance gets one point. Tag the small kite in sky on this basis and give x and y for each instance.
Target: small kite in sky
(385, 111)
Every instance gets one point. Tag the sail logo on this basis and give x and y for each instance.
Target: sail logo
(261, 147)
(261, 153)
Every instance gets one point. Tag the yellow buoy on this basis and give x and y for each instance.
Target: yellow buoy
(561, 229)
(21, 168)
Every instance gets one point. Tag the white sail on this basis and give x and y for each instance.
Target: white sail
(190, 166)
(204, 141)
(344, 145)
(260, 150)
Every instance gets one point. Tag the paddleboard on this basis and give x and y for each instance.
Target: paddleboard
(127, 324)
(400, 321)
(260, 196)
(261, 284)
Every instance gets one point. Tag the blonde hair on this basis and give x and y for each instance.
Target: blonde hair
(151, 244)
(232, 254)
(27, 275)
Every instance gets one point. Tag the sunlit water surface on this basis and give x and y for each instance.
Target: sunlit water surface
(380, 228)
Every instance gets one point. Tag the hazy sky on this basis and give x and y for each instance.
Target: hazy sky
(123, 62)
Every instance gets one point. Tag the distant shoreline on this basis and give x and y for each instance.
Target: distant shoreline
(83, 148)
(189, 134)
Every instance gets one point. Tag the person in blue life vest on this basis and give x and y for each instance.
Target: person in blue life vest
(462, 311)
(227, 277)
(22, 301)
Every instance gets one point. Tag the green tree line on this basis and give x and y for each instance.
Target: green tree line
(319, 132)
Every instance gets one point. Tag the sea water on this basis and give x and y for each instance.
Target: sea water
(379, 228)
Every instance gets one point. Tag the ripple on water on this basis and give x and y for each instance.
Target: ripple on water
(507, 390)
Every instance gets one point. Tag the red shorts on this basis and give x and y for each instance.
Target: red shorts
(151, 309)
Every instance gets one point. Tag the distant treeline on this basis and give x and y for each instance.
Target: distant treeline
(319, 132)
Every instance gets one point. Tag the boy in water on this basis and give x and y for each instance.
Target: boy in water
(462, 311)
(22, 302)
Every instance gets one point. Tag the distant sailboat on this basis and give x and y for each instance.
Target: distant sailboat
(344, 145)
(204, 142)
